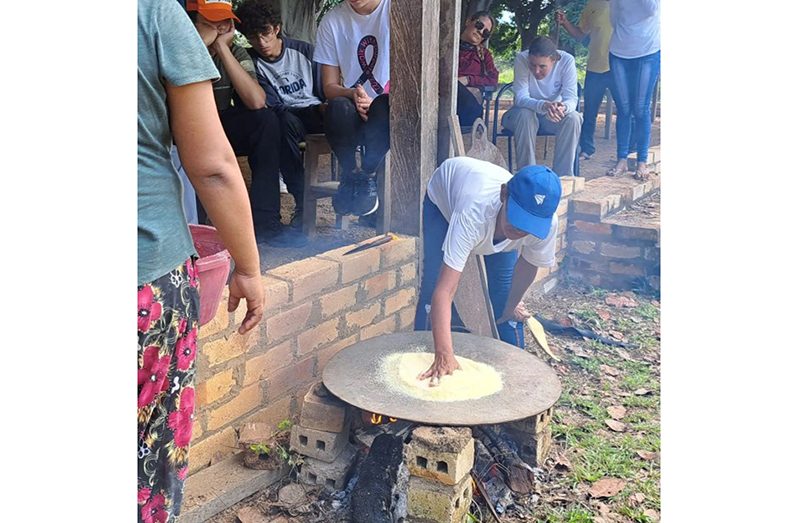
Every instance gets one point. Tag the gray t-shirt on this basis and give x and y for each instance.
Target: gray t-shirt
(169, 50)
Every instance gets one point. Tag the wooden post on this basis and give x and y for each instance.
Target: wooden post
(447, 85)
(415, 28)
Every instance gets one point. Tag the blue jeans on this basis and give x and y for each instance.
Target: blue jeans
(634, 81)
(499, 267)
(595, 86)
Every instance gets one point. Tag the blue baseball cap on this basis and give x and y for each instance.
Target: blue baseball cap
(533, 197)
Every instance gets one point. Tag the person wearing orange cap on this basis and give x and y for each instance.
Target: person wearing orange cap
(251, 126)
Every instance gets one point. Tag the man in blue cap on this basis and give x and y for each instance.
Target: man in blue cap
(472, 206)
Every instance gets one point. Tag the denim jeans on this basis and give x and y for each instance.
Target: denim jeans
(595, 86)
(633, 82)
(499, 267)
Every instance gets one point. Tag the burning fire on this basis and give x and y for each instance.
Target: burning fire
(376, 419)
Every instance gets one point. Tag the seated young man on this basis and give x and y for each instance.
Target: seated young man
(352, 46)
(475, 69)
(476, 207)
(545, 98)
(251, 127)
(292, 82)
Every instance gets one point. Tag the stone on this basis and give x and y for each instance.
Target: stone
(444, 454)
(317, 444)
(252, 515)
(433, 501)
(332, 476)
(292, 494)
(323, 411)
(255, 432)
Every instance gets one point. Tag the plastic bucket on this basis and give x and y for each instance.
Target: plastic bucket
(213, 269)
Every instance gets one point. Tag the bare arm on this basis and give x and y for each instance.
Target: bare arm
(247, 87)
(331, 83)
(523, 276)
(441, 317)
(573, 30)
(213, 170)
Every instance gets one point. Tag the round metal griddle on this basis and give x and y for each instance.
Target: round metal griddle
(529, 385)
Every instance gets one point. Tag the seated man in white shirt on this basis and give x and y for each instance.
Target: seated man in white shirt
(545, 98)
(477, 207)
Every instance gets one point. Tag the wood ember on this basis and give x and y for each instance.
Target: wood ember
(380, 494)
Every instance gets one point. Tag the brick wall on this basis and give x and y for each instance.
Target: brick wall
(315, 307)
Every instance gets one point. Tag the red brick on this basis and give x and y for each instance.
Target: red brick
(335, 302)
(325, 354)
(273, 413)
(591, 208)
(407, 274)
(583, 247)
(625, 232)
(627, 269)
(406, 318)
(317, 337)
(601, 229)
(308, 277)
(399, 300)
(362, 317)
(202, 451)
(360, 265)
(614, 250)
(323, 412)
(275, 291)
(386, 326)
(246, 400)
(290, 378)
(579, 184)
(229, 347)
(563, 225)
(265, 365)
(567, 184)
(400, 250)
(196, 428)
(287, 323)
(215, 387)
(562, 208)
(379, 284)
(219, 322)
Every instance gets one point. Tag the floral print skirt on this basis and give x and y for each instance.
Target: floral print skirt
(168, 320)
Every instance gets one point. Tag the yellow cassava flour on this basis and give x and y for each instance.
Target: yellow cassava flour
(473, 380)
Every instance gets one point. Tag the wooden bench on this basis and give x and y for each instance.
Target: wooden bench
(314, 146)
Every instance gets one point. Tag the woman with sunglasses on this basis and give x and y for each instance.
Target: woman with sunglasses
(475, 68)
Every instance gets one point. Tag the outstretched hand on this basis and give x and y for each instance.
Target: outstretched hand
(443, 365)
(519, 313)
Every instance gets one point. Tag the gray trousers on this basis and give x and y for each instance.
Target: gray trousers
(524, 123)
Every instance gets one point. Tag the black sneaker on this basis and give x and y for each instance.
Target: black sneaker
(364, 194)
(342, 200)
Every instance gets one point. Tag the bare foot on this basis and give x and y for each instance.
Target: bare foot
(619, 169)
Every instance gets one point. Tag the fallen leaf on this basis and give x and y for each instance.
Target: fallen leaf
(617, 335)
(638, 497)
(606, 487)
(617, 426)
(604, 315)
(623, 354)
(612, 371)
(579, 352)
(647, 454)
(562, 463)
(651, 513)
(620, 301)
(642, 392)
(603, 508)
(616, 412)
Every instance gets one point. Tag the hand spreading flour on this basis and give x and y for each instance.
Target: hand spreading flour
(474, 379)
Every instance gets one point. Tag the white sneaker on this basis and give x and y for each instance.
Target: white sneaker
(283, 187)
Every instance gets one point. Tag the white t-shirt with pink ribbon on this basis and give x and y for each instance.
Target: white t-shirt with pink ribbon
(358, 44)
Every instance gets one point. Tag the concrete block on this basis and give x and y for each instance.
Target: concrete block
(317, 444)
(532, 448)
(323, 411)
(444, 454)
(331, 476)
(431, 501)
(533, 424)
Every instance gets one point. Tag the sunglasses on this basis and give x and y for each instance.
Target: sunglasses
(481, 27)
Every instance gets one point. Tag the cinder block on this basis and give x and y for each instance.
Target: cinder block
(328, 475)
(533, 424)
(444, 454)
(429, 500)
(324, 446)
(532, 448)
(323, 411)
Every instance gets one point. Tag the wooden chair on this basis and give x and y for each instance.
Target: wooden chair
(314, 146)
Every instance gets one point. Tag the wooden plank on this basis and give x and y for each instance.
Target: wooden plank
(415, 26)
(384, 191)
(447, 85)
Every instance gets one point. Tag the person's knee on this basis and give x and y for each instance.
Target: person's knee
(573, 120)
(521, 119)
(380, 107)
(340, 107)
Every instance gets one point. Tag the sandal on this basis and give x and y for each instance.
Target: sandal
(615, 172)
(642, 175)
(585, 156)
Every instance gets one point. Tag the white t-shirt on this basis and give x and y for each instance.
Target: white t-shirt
(558, 86)
(358, 44)
(635, 28)
(468, 193)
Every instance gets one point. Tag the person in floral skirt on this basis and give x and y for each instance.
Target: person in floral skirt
(175, 103)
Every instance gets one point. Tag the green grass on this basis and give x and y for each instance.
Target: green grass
(648, 311)
(570, 514)
(506, 76)
(602, 457)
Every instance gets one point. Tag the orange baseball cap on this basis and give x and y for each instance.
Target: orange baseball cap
(213, 10)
